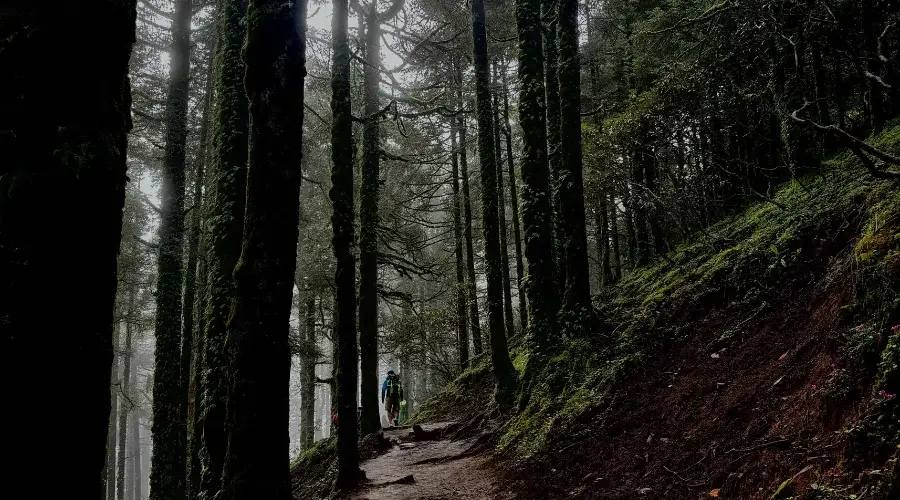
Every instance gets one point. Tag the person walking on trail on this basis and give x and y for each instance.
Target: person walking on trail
(391, 395)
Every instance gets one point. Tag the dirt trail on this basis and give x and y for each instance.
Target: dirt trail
(441, 470)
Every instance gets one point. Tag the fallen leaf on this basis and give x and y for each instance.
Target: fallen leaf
(714, 493)
(781, 358)
(778, 381)
(714, 355)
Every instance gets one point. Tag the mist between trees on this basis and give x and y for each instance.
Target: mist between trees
(319, 192)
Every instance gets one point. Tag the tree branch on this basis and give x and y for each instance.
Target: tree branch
(856, 145)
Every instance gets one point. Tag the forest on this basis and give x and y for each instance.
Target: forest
(606, 249)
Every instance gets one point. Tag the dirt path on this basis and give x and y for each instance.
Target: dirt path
(440, 469)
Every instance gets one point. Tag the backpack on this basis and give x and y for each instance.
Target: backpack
(393, 386)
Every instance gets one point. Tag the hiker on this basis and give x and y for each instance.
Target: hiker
(393, 390)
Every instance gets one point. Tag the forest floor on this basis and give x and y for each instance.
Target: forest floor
(429, 469)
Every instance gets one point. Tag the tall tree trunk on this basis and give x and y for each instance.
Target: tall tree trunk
(821, 85)
(501, 211)
(462, 330)
(839, 92)
(345, 370)
(503, 369)
(656, 231)
(226, 202)
(189, 335)
(368, 226)
(127, 405)
(871, 34)
(259, 360)
(472, 295)
(549, 22)
(614, 236)
(308, 378)
(514, 198)
(137, 470)
(63, 150)
(110, 475)
(168, 463)
(536, 208)
(601, 234)
(577, 299)
(631, 243)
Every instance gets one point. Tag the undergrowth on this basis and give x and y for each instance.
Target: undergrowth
(740, 264)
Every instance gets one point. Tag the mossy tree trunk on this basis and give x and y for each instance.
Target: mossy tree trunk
(168, 463)
(501, 212)
(549, 22)
(537, 214)
(257, 462)
(514, 199)
(190, 337)
(342, 219)
(471, 278)
(503, 369)
(63, 147)
(226, 201)
(577, 308)
(462, 331)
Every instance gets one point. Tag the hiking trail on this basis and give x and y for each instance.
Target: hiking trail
(423, 463)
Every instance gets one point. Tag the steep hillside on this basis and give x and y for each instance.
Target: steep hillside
(757, 362)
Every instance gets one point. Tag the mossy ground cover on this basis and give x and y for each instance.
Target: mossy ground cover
(835, 224)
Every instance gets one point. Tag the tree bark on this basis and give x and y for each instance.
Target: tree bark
(656, 231)
(308, 379)
(537, 212)
(137, 469)
(110, 476)
(257, 462)
(168, 463)
(821, 86)
(501, 212)
(189, 335)
(126, 407)
(577, 306)
(614, 235)
(549, 21)
(462, 330)
(871, 31)
(474, 315)
(63, 148)
(345, 369)
(227, 198)
(514, 198)
(368, 224)
(503, 369)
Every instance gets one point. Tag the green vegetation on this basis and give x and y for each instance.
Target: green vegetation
(740, 263)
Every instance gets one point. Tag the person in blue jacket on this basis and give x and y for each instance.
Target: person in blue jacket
(391, 395)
